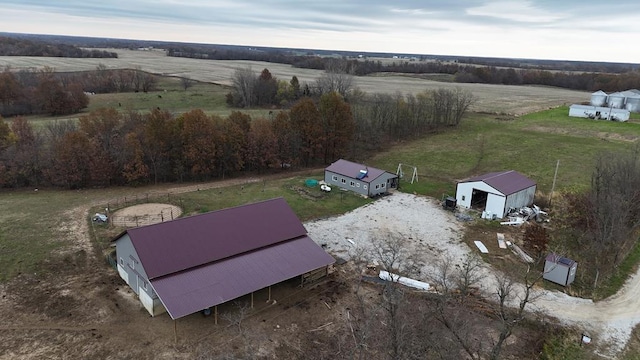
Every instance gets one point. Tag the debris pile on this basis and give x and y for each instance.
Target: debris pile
(518, 217)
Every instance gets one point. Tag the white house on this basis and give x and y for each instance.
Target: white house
(496, 192)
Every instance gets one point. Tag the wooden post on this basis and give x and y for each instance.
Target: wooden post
(215, 314)
(553, 186)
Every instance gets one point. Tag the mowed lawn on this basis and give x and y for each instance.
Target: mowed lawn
(531, 144)
(30, 221)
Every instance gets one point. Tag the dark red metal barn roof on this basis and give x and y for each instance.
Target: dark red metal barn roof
(185, 243)
(507, 182)
(196, 289)
(351, 169)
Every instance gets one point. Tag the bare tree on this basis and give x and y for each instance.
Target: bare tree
(244, 85)
(235, 318)
(338, 77)
(186, 82)
(507, 292)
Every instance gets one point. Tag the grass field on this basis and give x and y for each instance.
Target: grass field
(531, 144)
(490, 98)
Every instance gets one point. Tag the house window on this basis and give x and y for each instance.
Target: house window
(364, 187)
(357, 184)
(352, 184)
(377, 186)
(334, 178)
(344, 181)
(462, 197)
(144, 285)
(122, 261)
(383, 185)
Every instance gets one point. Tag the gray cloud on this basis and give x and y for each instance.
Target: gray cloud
(392, 23)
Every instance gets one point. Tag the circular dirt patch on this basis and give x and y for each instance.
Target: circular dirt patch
(145, 214)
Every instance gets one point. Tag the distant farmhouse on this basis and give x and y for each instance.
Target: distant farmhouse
(195, 263)
(362, 179)
(616, 106)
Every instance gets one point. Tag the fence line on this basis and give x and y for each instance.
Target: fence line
(165, 214)
(127, 201)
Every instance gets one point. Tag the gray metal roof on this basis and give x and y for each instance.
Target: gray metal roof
(507, 182)
(190, 291)
(351, 170)
(181, 244)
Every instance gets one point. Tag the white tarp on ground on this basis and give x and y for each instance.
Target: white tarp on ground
(385, 275)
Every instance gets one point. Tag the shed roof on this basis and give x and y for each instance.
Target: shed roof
(507, 182)
(186, 292)
(181, 244)
(559, 260)
(599, 92)
(351, 170)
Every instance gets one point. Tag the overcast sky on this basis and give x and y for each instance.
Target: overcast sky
(540, 29)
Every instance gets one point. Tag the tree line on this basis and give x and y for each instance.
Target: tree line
(576, 76)
(12, 46)
(601, 224)
(106, 147)
(28, 92)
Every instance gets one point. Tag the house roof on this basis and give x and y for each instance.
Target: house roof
(186, 292)
(507, 182)
(185, 243)
(351, 170)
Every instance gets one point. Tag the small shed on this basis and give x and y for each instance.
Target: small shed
(495, 193)
(359, 178)
(559, 270)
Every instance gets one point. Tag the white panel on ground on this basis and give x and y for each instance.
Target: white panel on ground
(480, 245)
(385, 275)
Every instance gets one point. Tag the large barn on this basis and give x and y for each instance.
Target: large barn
(496, 192)
(362, 179)
(195, 263)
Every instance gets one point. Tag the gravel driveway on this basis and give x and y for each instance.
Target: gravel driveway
(431, 233)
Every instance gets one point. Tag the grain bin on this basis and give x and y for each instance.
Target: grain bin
(616, 100)
(599, 98)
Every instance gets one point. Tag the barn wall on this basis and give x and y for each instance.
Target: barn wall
(555, 272)
(495, 205)
(359, 186)
(381, 184)
(521, 198)
(131, 270)
(575, 111)
(466, 189)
